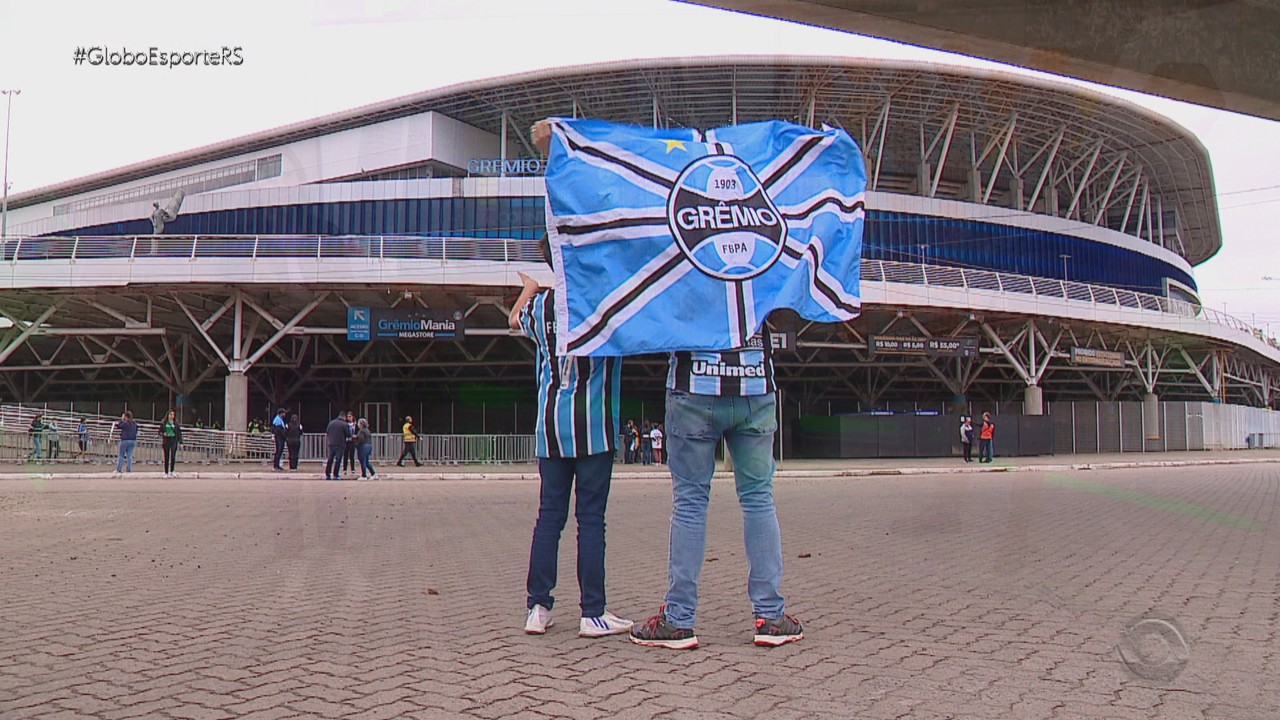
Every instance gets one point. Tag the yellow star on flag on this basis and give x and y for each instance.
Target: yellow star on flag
(673, 144)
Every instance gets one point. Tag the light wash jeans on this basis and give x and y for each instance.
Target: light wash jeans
(695, 425)
(124, 458)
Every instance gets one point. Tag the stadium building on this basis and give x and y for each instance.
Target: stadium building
(1029, 245)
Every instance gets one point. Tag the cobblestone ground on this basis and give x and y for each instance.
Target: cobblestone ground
(1113, 594)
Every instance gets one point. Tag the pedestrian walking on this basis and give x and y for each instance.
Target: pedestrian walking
(128, 429)
(986, 439)
(336, 434)
(293, 440)
(713, 396)
(576, 427)
(170, 441)
(364, 449)
(410, 432)
(966, 437)
(278, 428)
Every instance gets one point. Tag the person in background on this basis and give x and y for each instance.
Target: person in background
(633, 442)
(364, 449)
(410, 432)
(278, 430)
(655, 437)
(170, 440)
(54, 440)
(646, 444)
(293, 440)
(82, 437)
(349, 454)
(336, 433)
(36, 431)
(986, 437)
(966, 437)
(128, 442)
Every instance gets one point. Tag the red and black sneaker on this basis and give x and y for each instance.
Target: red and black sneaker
(657, 632)
(772, 633)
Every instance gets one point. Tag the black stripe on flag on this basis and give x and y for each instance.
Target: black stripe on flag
(823, 287)
(658, 221)
(587, 149)
(858, 205)
(818, 282)
(792, 161)
(640, 287)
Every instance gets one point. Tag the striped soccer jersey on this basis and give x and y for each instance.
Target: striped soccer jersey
(730, 373)
(578, 397)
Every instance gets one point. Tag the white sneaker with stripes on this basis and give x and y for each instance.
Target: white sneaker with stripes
(538, 621)
(606, 624)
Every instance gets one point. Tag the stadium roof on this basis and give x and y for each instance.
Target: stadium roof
(712, 91)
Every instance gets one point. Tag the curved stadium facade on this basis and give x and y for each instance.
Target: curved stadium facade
(1053, 229)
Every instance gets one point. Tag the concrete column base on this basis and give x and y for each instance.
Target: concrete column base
(1151, 416)
(1033, 401)
(236, 413)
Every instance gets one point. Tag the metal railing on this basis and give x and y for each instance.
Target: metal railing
(258, 247)
(890, 271)
(201, 445)
(18, 249)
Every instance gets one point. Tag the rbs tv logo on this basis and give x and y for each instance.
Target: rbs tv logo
(723, 220)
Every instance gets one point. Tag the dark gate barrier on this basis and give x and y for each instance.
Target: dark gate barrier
(907, 436)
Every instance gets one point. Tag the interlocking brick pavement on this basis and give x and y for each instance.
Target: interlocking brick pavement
(995, 595)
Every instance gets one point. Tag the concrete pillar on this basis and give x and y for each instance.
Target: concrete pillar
(975, 185)
(236, 413)
(1151, 416)
(1033, 401)
(1017, 192)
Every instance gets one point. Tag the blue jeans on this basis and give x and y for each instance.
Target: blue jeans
(124, 457)
(985, 451)
(594, 473)
(333, 466)
(36, 441)
(366, 467)
(695, 425)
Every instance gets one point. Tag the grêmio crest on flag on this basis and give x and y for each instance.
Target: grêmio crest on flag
(677, 239)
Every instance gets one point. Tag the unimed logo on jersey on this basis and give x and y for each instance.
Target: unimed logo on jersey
(723, 220)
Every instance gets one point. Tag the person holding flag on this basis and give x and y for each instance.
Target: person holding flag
(576, 433)
(683, 241)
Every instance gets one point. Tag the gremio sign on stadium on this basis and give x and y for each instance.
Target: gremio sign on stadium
(404, 324)
(509, 166)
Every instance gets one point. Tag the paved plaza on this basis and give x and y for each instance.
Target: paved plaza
(1148, 592)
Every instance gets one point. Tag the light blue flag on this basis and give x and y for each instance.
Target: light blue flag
(681, 240)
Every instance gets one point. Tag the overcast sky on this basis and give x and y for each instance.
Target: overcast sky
(302, 59)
